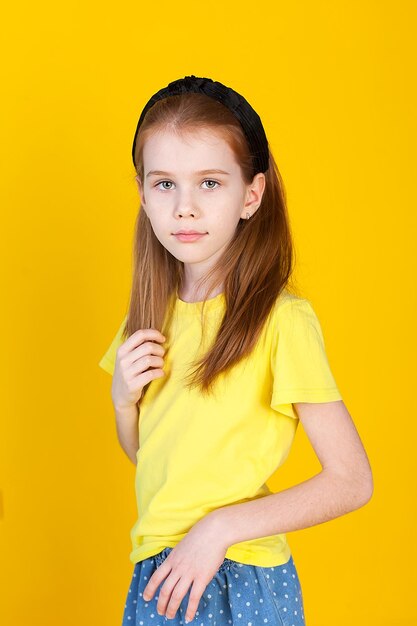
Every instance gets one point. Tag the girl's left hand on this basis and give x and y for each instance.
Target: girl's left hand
(194, 560)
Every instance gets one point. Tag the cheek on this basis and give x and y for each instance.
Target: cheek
(155, 218)
(160, 228)
(225, 219)
(163, 235)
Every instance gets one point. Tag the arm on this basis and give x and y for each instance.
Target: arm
(343, 485)
(127, 425)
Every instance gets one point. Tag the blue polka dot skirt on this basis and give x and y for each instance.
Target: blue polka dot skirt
(238, 594)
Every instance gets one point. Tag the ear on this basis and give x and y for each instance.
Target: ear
(140, 189)
(254, 195)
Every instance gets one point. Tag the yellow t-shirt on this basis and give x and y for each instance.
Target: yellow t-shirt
(198, 454)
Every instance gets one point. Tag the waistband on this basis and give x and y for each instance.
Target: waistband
(161, 556)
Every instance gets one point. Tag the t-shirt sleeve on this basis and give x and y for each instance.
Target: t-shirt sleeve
(300, 368)
(108, 359)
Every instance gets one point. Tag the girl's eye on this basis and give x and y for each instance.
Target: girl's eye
(212, 181)
(162, 182)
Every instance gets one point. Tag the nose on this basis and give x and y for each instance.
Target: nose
(185, 205)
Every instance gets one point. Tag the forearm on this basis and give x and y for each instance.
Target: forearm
(319, 499)
(127, 426)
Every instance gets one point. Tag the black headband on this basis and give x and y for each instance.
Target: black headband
(248, 118)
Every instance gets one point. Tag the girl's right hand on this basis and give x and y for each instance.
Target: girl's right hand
(135, 359)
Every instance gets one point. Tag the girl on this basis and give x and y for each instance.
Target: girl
(214, 365)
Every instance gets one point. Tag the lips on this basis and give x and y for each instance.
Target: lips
(189, 232)
(184, 237)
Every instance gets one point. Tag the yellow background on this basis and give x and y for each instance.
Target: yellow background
(334, 84)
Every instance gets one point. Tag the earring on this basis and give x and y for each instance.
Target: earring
(247, 216)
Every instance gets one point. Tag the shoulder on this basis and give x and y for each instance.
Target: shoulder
(294, 320)
(289, 307)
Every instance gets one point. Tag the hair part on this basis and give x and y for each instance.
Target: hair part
(255, 269)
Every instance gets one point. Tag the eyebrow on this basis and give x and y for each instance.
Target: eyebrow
(200, 173)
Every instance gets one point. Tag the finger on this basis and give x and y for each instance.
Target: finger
(165, 593)
(155, 580)
(197, 591)
(177, 595)
(139, 337)
(148, 361)
(144, 361)
(147, 349)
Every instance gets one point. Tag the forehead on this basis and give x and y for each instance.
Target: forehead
(188, 152)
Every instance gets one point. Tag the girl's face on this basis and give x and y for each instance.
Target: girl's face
(184, 190)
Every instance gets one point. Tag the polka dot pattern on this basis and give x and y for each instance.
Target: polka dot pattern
(237, 595)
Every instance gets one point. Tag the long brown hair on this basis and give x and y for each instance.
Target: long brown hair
(254, 269)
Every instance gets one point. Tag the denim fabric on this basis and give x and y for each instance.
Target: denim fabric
(238, 594)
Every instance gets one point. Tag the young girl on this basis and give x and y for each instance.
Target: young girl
(214, 365)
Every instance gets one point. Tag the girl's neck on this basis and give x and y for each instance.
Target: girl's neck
(188, 294)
